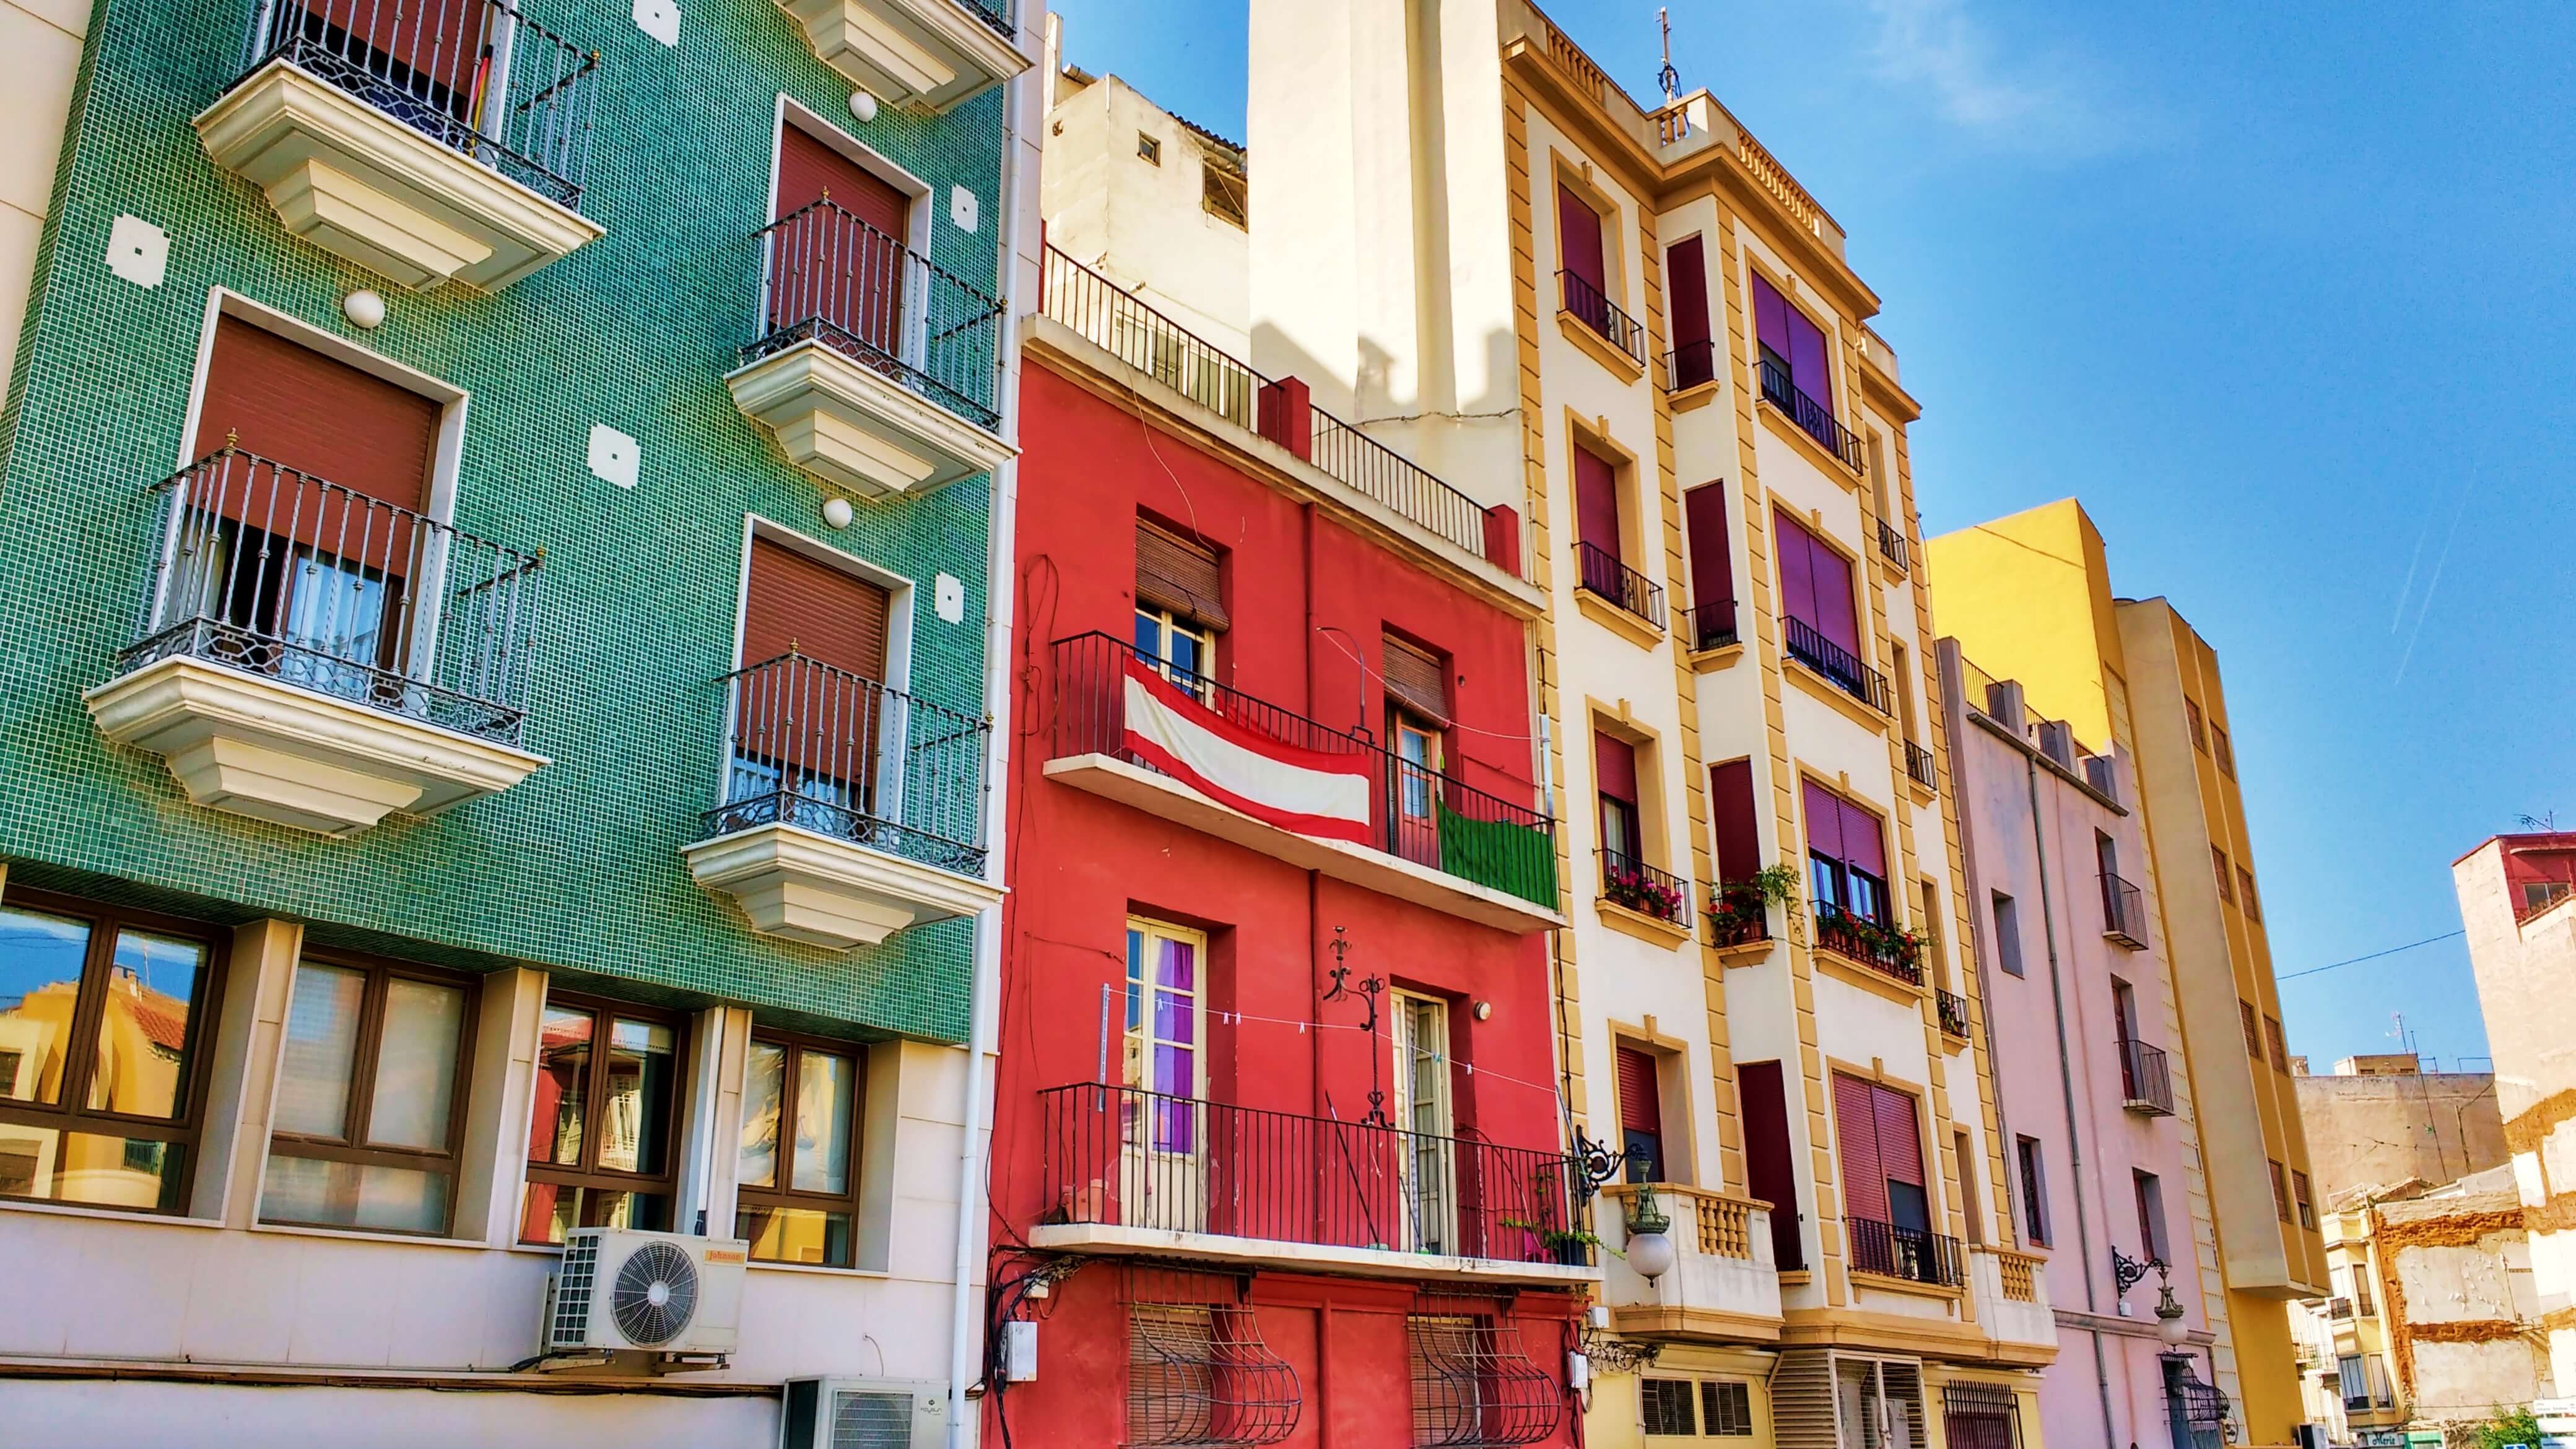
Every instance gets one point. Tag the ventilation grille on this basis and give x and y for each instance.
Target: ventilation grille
(868, 1419)
(575, 1282)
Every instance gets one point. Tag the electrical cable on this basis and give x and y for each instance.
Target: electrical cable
(2373, 956)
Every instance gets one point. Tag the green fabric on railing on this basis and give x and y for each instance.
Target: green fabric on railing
(1517, 859)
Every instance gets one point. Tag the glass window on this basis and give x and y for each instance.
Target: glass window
(601, 1148)
(1726, 1408)
(1668, 1407)
(2007, 934)
(2034, 1191)
(1184, 649)
(101, 1016)
(797, 1165)
(370, 1081)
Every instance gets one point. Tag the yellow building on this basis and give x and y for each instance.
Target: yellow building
(2029, 598)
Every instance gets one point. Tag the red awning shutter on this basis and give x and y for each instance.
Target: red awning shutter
(826, 268)
(1831, 579)
(1416, 680)
(1641, 1107)
(1686, 274)
(1180, 575)
(1734, 819)
(1857, 1148)
(1770, 1164)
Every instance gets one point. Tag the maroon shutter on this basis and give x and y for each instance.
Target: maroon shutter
(1824, 820)
(317, 415)
(1712, 563)
(1739, 836)
(1596, 501)
(830, 616)
(1578, 239)
(844, 267)
(1769, 1171)
(807, 169)
(1770, 317)
(1900, 1144)
(1831, 578)
(1686, 285)
(1863, 847)
(1614, 767)
(1797, 568)
(1857, 1148)
(1641, 1107)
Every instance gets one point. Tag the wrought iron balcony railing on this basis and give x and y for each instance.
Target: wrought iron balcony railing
(1921, 767)
(2146, 1080)
(995, 13)
(1424, 816)
(2124, 912)
(1884, 949)
(475, 76)
(1120, 324)
(1813, 418)
(1599, 571)
(825, 750)
(1893, 547)
(1596, 311)
(1689, 365)
(1710, 625)
(1630, 882)
(278, 573)
(1131, 1158)
(1954, 1012)
(1838, 665)
(1908, 1253)
(829, 277)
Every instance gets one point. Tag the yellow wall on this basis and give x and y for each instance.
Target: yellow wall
(2029, 598)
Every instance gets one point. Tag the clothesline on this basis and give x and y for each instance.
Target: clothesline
(1109, 989)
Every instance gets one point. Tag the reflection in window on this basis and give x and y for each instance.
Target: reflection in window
(796, 1168)
(364, 1134)
(601, 1141)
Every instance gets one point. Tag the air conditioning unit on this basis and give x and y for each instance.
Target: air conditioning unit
(863, 1414)
(664, 1296)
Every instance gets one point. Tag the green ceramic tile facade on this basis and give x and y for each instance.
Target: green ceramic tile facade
(579, 866)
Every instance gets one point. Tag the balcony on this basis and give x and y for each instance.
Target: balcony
(1809, 416)
(442, 142)
(1838, 665)
(1739, 914)
(931, 54)
(2146, 1080)
(1586, 306)
(1599, 572)
(2011, 1295)
(1953, 1011)
(1893, 547)
(1135, 1172)
(1920, 766)
(2124, 913)
(317, 658)
(1228, 764)
(1710, 625)
(1631, 884)
(875, 369)
(1723, 1285)
(851, 811)
(1910, 1255)
(1692, 364)
(1893, 953)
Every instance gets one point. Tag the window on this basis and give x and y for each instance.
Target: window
(2151, 1215)
(1582, 259)
(2191, 720)
(2034, 1191)
(2280, 1048)
(1846, 856)
(1161, 1054)
(2280, 1191)
(2381, 1394)
(1734, 819)
(796, 1170)
(1417, 722)
(2300, 1191)
(1770, 1164)
(1816, 586)
(1421, 1108)
(1880, 1151)
(2219, 750)
(1712, 568)
(1641, 1114)
(603, 1138)
(1686, 292)
(1791, 343)
(2226, 882)
(368, 1119)
(2007, 934)
(1670, 1407)
(1979, 1416)
(1179, 605)
(2245, 895)
(106, 1013)
(1224, 194)
(1597, 523)
(2253, 1033)
(2124, 1011)
(1963, 1160)
(849, 224)
(1707, 1408)
(1148, 149)
(2352, 1379)
(1726, 1409)
(810, 719)
(1614, 764)
(1198, 1372)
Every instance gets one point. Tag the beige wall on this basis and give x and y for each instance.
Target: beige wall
(2382, 1130)
(40, 50)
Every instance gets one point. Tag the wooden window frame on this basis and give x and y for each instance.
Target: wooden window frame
(783, 1194)
(2031, 1156)
(351, 1147)
(2252, 1023)
(588, 1174)
(2280, 1189)
(2303, 1193)
(69, 1113)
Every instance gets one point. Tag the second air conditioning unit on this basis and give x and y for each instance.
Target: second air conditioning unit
(863, 1414)
(648, 1299)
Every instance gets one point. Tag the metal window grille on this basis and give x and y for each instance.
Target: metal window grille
(1726, 1409)
(1667, 1407)
(1474, 1383)
(1979, 1416)
(1198, 1372)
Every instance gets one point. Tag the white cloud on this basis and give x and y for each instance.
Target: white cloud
(2054, 104)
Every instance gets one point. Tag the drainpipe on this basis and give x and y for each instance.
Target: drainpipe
(1001, 576)
(2066, 1085)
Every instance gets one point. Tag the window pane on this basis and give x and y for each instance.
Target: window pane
(416, 1064)
(40, 972)
(635, 1118)
(764, 1081)
(321, 1050)
(563, 1075)
(548, 1211)
(347, 1195)
(795, 1235)
(824, 1086)
(152, 989)
(81, 1167)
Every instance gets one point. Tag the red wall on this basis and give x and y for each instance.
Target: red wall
(1079, 865)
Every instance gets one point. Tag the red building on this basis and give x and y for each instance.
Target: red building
(1279, 1155)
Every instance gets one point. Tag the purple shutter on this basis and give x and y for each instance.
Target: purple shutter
(1797, 565)
(1807, 359)
(1686, 284)
(1596, 501)
(1856, 1141)
(1829, 574)
(1770, 1164)
(1864, 848)
(1578, 239)
(1824, 820)
(1712, 565)
(1770, 316)
(1739, 839)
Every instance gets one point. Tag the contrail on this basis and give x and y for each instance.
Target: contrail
(2435, 581)
(2413, 562)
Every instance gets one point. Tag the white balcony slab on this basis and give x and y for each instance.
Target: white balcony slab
(1706, 1295)
(274, 751)
(354, 181)
(811, 887)
(2023, 1329)
(927, 53)
(1112, 1239)
(1115, 779)
(856, 428)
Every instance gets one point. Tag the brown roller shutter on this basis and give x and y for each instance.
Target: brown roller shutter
(1641, 1107)
(807, 169)
(828, 615)
(317, 415)
(1174, 574)
(827, 268)
(1416, 680)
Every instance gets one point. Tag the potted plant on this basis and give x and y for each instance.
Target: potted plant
(1569, 1246)
(1740, 910)
(1632, 887)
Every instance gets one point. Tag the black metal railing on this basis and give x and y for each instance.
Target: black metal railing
(278, 573)
(475, 76)
(1689, 365)
(995, 13)
(2146, 1080)
(1883, 949)
(829, 277)
(1119, 323)
(1840, 667)
(1131, 1158)
(2124, 912)
(1953, 1009)
(1893, 547)
(1598, 571)
(1920, 766)
(825, 750)
(1595, 310)
(1813, 418)
(1630, 882)
(1415, 814)
(1710, 625)
(1908, 1253)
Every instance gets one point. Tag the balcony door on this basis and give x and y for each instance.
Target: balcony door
(1418, 713)
(1163, 1169)
(841, 259)
(811, 726)
(1421, 1110)
(1880, 1150)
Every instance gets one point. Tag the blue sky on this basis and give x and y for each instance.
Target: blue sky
(2282, 292)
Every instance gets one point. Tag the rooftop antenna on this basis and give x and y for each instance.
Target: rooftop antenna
(1669, 78)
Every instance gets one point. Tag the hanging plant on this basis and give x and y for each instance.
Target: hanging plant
(1634, 888)
(1739, 906)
